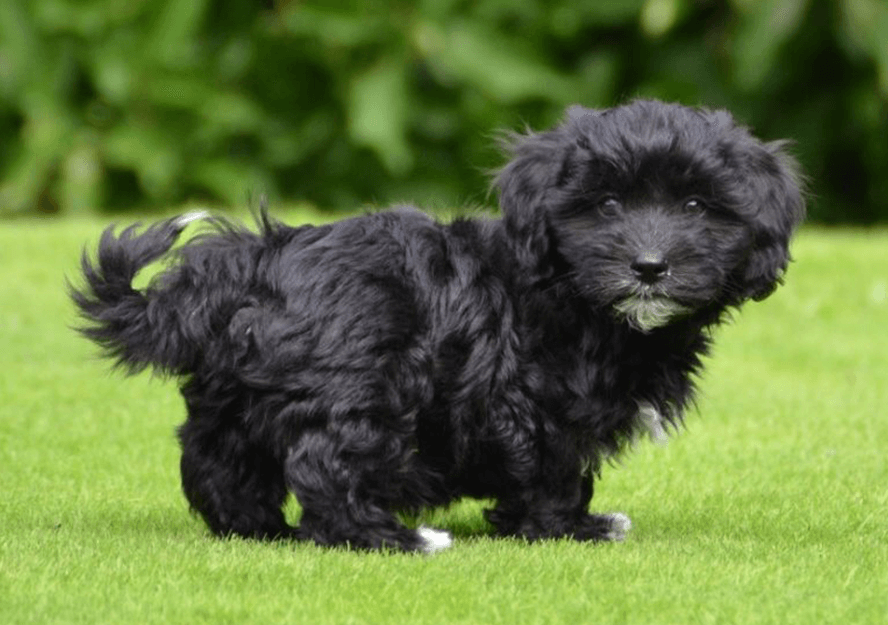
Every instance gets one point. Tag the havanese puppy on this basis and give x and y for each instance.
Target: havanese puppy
(389, 362)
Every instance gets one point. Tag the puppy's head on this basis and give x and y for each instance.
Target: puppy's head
(659, 211)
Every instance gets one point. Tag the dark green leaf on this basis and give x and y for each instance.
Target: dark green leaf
(764, 27)
(377, 113)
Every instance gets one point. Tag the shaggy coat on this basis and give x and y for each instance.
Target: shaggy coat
(390, 362)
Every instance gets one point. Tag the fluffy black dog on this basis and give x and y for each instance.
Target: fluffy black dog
(389, 362)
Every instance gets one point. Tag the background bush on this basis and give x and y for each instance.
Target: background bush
(113, 104)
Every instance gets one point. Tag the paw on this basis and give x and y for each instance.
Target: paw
(433, 540)
(618, 526)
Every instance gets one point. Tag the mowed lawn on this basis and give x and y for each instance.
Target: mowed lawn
(771, 506)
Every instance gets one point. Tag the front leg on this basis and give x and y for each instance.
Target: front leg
(559, 510)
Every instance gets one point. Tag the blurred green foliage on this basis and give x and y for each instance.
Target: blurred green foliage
(110, 104)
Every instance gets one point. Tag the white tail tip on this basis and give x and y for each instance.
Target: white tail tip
(187, 218)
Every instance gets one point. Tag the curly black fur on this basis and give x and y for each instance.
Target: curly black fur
(391, 362)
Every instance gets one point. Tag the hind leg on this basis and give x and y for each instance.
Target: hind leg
(347, 488)
(235, 486)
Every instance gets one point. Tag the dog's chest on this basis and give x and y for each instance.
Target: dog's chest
(600, 384)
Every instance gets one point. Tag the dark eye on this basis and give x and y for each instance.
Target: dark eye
(694, 206)
(609, 206)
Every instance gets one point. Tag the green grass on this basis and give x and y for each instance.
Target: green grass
(771, 508)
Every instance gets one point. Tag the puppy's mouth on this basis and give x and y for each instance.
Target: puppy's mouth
(646, 312)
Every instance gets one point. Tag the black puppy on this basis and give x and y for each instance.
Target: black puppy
(389, 362)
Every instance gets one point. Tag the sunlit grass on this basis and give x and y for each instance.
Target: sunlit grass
(771, 507)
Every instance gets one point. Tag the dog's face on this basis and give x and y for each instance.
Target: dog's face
(659, 211)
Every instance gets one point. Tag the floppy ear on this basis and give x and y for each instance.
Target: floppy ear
(775, 200)
(530, 184)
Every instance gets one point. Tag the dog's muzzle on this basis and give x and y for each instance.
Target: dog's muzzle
(649, 306)
(649, 268)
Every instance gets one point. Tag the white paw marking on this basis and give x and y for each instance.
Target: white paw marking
(620, 524)
(435, 540)
(187, 218)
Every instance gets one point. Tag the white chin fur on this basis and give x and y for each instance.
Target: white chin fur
(435, 540)
(648, 313)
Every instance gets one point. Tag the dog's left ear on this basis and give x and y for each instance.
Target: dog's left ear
(530, 185)
(775, 200)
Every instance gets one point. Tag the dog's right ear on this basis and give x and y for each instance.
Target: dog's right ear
(774, 190)
(530, 185)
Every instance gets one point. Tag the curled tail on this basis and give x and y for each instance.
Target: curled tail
(133, 328)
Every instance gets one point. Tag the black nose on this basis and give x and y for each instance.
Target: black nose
(649, 268)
